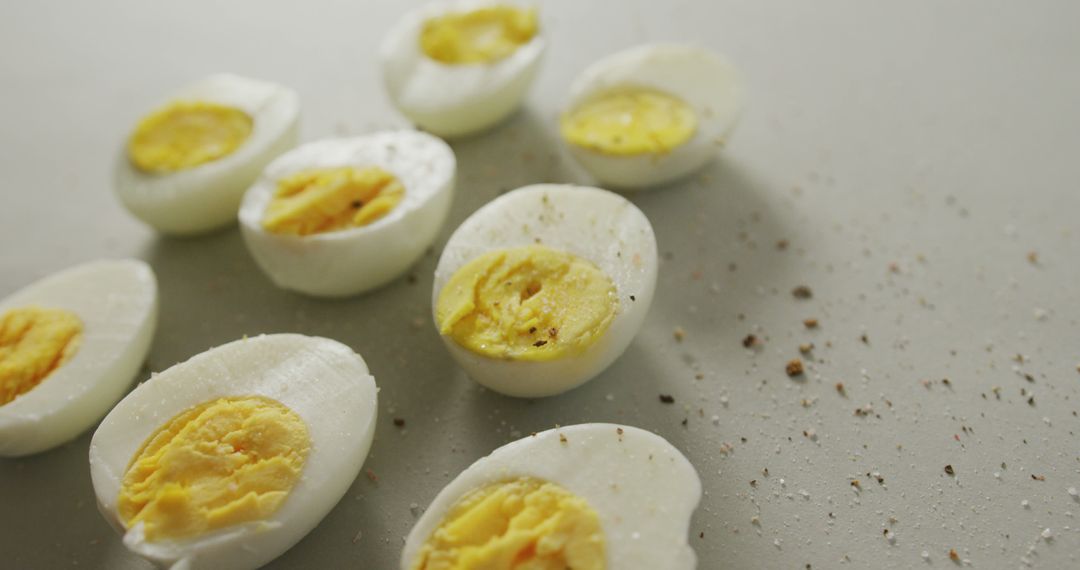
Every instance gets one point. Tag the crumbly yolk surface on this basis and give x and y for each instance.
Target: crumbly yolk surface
(527, 303)
(479, 36)
(629, 123)
(34, 342)
(221, 463)
(331, 199)
(525, 524)
(185, 134)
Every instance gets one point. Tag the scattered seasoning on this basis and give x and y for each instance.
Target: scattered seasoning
(553, 332)
(357, 204)
(802, 292)
(619, 431)
(840, 389)
(865, 339)
(953, 555)
(685, 422)
(949, 470)
(399, 422)
(810, 323)
(1033, 257)
(794, 367)
(753, 482)
(782, 244)
(1038, 477)
(750, 340)
(633, 298)
(532, 330)
(412, 279)
(359, 535)
(855, 483)
(1031, 401)
(806, 348)
(679, 334)
(946, 382)
(562, 438)
(667, 399)
(540, 343)
(372, 476)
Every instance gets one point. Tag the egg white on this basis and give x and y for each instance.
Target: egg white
(354, 260)
(206, 197)
(116, 300)
(593, 224)
(642, 488)
(706, 81)
(455, 100)
(321, 380)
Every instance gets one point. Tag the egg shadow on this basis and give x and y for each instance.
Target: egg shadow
(45, 488)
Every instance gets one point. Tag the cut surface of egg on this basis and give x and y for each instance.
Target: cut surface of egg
(459, 67)
(70, 345)
(588, 497)
(341, 216)
(544, 287)
(651, 114)
(186, 164)
(230, 458)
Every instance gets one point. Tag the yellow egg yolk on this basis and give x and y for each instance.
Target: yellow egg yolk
(331, 199)
(224, 462)
(527, 303)
(479, 36)
(34, 342)
(526, 524)
(627, 123)
(185, 134)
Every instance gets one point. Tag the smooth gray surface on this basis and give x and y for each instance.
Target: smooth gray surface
(942, 137)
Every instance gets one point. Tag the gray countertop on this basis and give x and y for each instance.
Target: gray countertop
(918, 159)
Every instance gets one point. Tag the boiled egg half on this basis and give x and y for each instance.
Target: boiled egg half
(187, 163)
(544, 287)
(459, 67)
(587, 497)
(70, 345)
(651, 114)
(342, 216)
(230, 458)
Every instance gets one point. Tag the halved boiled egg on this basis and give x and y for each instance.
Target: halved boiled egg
(458, 67)
(230, 458)
(186, 165)
(70, 345)
(587, 497)
(651, 114)
(544, 287)
(342, 216)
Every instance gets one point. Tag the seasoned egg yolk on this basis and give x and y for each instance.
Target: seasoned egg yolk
(331, 199)
(185, 134)
(34, 342)
(527, 303)
(627, 123)
(479, 36)
(522, 524)
(224, 462)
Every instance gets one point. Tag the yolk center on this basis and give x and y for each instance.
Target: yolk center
(224, 462)
(527, 303)
(480, 36)
(626, 123)
(185, 134)
(525, 523)
(34, 342)
(327, 200)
